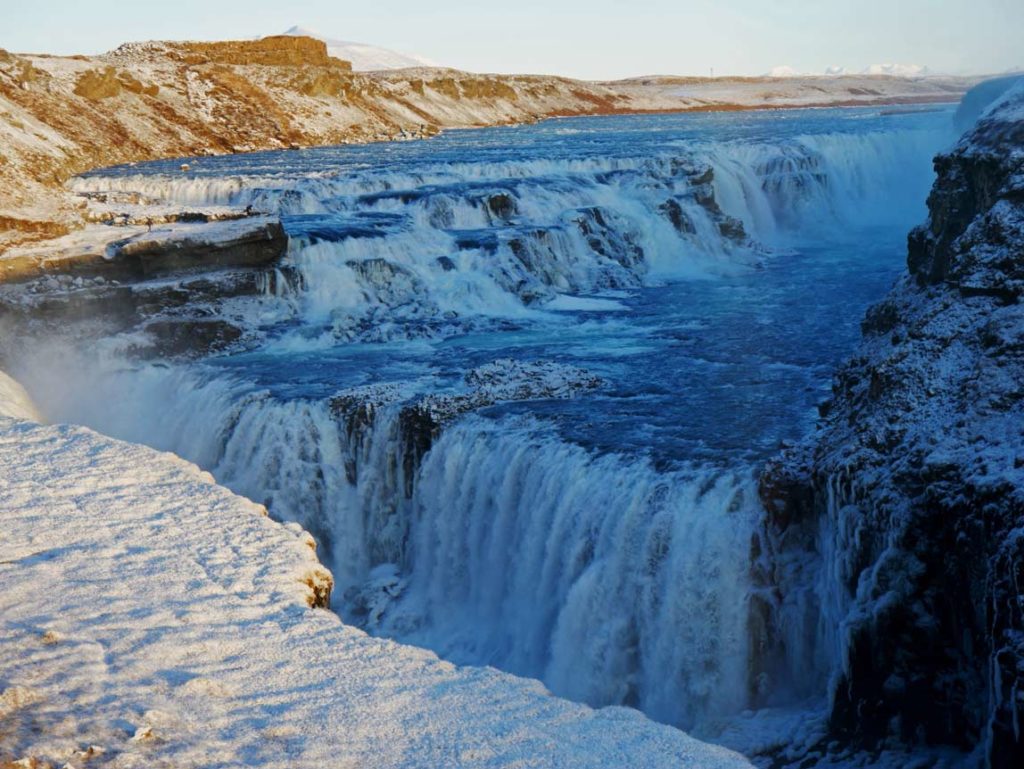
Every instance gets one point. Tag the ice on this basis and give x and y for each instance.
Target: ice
(14, 401)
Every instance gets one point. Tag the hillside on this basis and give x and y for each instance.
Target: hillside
(60, 116)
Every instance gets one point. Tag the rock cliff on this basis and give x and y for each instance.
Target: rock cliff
(908, 502)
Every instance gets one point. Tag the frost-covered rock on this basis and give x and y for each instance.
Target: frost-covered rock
(905, 511)
(511, 380)
(421, 418)
(137, 253)
(167, 285)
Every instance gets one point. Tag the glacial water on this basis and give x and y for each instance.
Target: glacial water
(710, 269)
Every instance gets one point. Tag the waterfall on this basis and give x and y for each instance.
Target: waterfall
(440, 247)
(497, 541)
(611, 581)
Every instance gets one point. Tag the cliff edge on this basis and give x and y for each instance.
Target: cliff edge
(908, 501)
(151, 617)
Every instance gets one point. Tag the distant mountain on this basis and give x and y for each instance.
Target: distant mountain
(783, 70)
(366, 58)
(898, 70)
(894, 70)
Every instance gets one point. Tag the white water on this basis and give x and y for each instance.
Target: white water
(612, 582)
(383, 254)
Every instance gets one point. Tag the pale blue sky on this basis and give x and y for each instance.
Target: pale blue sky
(581, 38)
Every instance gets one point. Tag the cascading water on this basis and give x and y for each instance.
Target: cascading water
(614, 582)
(601, 543)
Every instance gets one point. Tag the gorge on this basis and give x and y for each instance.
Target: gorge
(527, 388)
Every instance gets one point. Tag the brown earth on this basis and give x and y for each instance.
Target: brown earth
(276, 51)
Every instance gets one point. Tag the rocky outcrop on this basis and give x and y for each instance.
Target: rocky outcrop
(247, 242)
(255, 242)
(500, 381)
(274, 51)
(421, 419)
(908, 501)
(95, 85)
(169, 283)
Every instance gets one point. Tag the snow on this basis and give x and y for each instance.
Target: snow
(153, 618)
(91, 240)
(873, 70)
(213, 232)
(365, 57)
(783, 88)
(784, 70)
(96, 245)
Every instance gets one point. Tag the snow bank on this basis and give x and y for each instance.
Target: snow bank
(14, 401)
(151, 617)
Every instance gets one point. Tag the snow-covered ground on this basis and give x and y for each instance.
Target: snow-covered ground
(149, 617)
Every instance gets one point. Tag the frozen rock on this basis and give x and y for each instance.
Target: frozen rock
(908, 502)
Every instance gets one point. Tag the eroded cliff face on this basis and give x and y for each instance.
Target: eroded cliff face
(896, 534)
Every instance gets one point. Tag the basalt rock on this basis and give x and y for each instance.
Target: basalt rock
(908, 501)
(191, 337)
(247, 243)
(174, 250)
(421, 419)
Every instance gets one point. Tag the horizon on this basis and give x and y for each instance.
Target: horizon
(745, 40)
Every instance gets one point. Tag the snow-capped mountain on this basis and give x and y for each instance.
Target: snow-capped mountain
(897, 70)
(366, 57)
(784, 70)
(894, 70)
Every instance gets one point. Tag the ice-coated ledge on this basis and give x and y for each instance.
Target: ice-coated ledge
(150, 617)
(135, 252)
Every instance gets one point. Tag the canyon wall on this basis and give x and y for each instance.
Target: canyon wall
(907, 504)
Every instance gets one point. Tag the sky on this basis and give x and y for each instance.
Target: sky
(590, 39)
